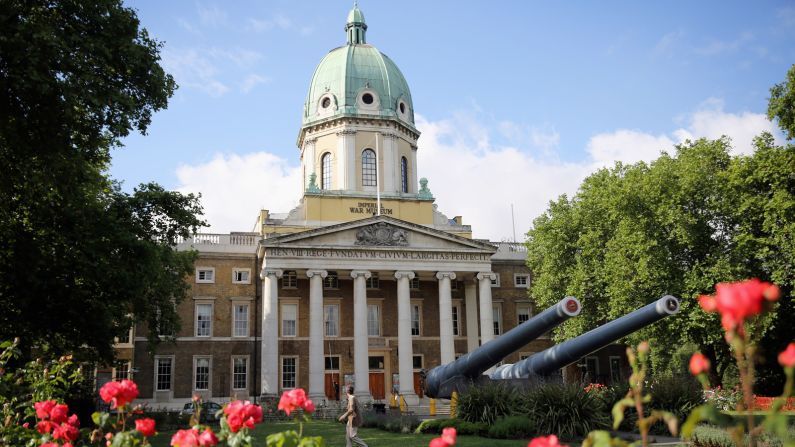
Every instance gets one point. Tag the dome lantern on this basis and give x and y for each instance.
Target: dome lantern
(356, 27)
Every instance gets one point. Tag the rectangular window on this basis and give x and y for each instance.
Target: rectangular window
(241, 276)
(521, 281)
(289, 279)
(415, 319)
(289, 320)
(121, 371)
(164, 328)
(373, 320)
(455, 320)
(240, 312)
(331, 320)
(332, 363)
(416, 362)
(239, 373)
(372, 282)
(375, 362)
(615, 369)
(331, 281)
(522, 313)
(497, 319)
(204, 320)
(414, 284)
(125, 338)
(202, 374)
(163, 370)
(453, 286)
(289, 372)
(205, 274)
(496, 281)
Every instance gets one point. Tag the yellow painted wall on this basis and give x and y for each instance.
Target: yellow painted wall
(344, 209)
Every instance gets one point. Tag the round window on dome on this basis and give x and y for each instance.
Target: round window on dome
(402, 107)
(367, 98)
(325, 103)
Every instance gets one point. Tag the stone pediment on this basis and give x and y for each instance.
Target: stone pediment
(379, 232)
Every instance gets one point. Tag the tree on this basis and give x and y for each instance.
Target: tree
(676, 226)
(782, 104)
(79, 258)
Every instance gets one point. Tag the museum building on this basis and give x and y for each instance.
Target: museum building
(364, 282)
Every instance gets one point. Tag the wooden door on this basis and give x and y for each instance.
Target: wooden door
(333, 392)
(377, 389)
(418, 384)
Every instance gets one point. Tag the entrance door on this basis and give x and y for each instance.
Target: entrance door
(418, 384)
(333, 387)
(377, 389)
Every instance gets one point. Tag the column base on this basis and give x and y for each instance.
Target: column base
(412, 400)
(363, 397)
(317, 398)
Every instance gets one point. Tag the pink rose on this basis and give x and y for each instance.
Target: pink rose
(787, 357)
(545, 441)
(186, 438)
(119, 394)
(208, 438)
(698, 364)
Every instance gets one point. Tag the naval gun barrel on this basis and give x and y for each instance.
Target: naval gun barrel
(441, 380)
(572, 350)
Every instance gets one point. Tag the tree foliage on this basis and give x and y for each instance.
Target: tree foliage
(78, 256)
(782, 104)
(677, 226)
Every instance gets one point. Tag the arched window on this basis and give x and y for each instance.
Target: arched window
(404, 174)
(368, 168)
(325, 171)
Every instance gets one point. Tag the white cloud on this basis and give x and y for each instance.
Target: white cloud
(668, 43)
(252, 81)
(199, 68)
(211, 15)
(277, 21)
(235, 187)
(627, 146)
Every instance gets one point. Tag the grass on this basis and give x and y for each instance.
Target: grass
(334, 435)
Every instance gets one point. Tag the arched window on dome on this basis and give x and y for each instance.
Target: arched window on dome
(404, 174)
(325, 171)
(368, 168)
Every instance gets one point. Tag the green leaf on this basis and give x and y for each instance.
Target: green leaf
(618, 411)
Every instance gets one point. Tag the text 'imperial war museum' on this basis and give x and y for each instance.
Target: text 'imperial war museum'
(338, 291)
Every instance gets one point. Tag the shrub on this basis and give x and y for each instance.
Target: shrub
(566, 410)
(435, 426)
(678, 395)
(487, 403)
(396, 424)
(512, 427)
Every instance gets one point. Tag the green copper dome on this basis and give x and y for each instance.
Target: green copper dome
(357, 80)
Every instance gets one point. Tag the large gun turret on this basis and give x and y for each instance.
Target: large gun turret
(442, 380)
(572, 350)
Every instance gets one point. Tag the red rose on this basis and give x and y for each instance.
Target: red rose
(145, 426)
(545, 441)
(119, 394)
(58, 413)
(44, 427)
(787, 357)
(73, 421)
(66, 432)
(186, 438)
(737, 301)
(43, 408)
(241, 414)
(309, 406)
(698, 364)
(449, 435)
(439, 442)
(208, 438)
(292, 400)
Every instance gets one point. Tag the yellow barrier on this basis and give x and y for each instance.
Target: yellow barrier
(402, 404)
(453, 404)
(432, 407)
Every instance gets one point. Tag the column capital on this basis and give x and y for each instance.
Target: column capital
(404, 274)
(491, 276)
(270, 272)
(321, 273)
(357, 273)
(441, 275)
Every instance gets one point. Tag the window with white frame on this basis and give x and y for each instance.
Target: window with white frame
(240, 315)
(404, 174)
(416, 319)
(325, 171)
(495, 282)
(239, 373)
(289, 320)
(289, 372)
(373, 320)
(204, 320)
(523, 313)
(121, 371)
(125, 338)
(521, 280)
(241, 276)
(372, 282)
(164, 368)
(331, 281)
(497, 313)
(455, 310)
(289, 279)
(369, 176)
(205, 274)
(331, 320)
(414, 284)
(201, 373)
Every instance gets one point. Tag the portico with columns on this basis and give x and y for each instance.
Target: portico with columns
(397, 253)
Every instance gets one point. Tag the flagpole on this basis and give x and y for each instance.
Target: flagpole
(377, 178)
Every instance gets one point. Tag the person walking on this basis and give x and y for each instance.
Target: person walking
(354, 417)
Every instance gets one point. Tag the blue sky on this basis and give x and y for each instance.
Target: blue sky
(516, 100)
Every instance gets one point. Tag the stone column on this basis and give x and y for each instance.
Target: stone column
(388, 150)
(316, 355)
(270, 332)
(361, 367)
(405, 348)
(486, 311)
(346, 160)
(446, 344)
(471, 305)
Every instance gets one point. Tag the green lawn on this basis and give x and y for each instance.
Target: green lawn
(334, 434)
